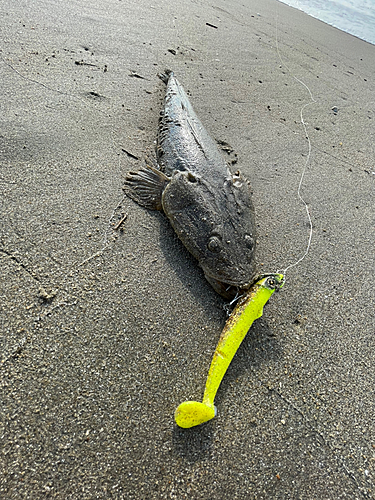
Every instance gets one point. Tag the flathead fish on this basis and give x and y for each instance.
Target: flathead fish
(209, 207)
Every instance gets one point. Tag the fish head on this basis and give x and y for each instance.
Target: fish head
(215, 222)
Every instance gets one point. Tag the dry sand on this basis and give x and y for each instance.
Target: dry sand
(98, 352)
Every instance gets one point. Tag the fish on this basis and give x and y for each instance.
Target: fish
(209, 207)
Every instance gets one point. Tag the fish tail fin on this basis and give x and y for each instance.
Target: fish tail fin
(146, 186)
(164, 77)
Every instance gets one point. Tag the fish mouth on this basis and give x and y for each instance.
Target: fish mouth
(241, 277)
(228, 288)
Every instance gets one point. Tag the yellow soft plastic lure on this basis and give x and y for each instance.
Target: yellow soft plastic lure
(248, 309)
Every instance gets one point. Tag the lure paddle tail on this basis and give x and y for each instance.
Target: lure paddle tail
(248, 309)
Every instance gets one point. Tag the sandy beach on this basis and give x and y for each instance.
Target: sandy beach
(106, 327)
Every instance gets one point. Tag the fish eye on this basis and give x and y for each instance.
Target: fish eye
(191, 177)
(249, 241)
(214, 244)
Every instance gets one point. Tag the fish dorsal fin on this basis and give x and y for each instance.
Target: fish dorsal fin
(146, 187)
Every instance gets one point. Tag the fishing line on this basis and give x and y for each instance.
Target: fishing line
(312, 101)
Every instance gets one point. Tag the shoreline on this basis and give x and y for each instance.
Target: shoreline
(335, 19)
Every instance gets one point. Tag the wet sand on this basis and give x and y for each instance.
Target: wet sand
(105, 331)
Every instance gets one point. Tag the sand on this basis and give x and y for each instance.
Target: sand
(104, 332)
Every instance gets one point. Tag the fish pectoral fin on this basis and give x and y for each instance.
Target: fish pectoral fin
(146, 186)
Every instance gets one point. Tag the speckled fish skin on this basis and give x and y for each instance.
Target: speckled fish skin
(209, 207)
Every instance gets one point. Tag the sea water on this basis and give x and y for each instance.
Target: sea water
(356, 17)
